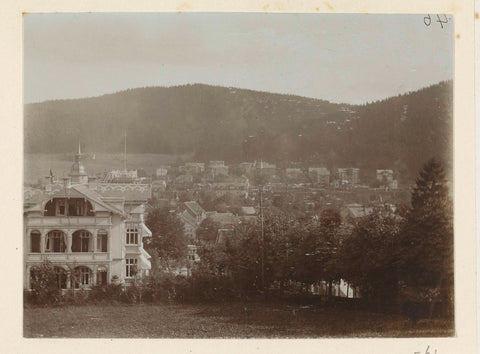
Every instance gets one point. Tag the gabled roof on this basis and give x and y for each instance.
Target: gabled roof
(358, 210)
(248, 210)
(319, 170)
(34, 198)
(224, 219)
(92, 195)
(187, 217)
(223, 235)
(194, 208)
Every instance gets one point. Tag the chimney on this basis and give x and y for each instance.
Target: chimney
(92, 180)
(67, 182)
(48, 183)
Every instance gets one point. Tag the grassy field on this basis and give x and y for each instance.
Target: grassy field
(232, 320)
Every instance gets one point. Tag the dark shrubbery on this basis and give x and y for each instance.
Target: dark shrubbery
(161, 288)
(105, 293)
(210, 288)
(43, 282)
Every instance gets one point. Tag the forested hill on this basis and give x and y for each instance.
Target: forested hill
(216, 123)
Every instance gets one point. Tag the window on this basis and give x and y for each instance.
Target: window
(101, 276)
(131, 267)
(102, 238)
(49, 209)
(61, 210)
(81, 241)
(82, 276)
(79, 207)
(132, 236)
(35, 242)
(56, 242)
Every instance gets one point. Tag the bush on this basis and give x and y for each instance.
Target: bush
(211, 288)
(106, 293)
(165, 287)
(132, 294)
(76, 297)
(158, 288)
(43, 282)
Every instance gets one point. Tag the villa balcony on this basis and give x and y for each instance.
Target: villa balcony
(133, 249)
(68, 257)
(62, 221)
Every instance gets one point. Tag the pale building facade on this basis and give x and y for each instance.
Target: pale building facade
(319, 175)
(92, 233)
(348, 175)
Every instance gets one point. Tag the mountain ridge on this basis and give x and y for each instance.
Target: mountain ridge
(215, 122)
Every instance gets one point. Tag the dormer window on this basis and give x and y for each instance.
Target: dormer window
(68, 207)
(60, 211)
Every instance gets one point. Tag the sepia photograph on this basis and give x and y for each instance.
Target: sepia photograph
(238, 175)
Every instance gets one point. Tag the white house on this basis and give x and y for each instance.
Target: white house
(94, 230)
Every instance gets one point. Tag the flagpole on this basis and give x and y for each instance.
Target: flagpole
(125, 153)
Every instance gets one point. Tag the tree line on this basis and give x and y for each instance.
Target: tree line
(395, 259)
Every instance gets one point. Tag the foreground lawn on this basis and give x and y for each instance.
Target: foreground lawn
(233, 320)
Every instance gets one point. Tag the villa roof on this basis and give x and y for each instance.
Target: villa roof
(131, 192)
(224, 219)
(34, 198)
(248, 210)
(194, 207)
(319, 170)
(358, 210)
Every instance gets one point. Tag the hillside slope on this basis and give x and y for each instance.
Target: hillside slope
(216, 123)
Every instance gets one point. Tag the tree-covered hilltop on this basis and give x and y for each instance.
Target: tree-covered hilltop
(399, 133)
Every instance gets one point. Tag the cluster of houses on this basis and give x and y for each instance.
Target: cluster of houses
(215, 172)
(92, 229)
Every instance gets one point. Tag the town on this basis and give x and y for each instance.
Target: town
(210, 232)
(93, 228)
(237, 175)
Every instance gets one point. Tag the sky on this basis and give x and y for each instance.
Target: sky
(343, 58)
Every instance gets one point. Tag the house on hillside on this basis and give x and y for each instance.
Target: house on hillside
(194, 168)
(320, 176)
(348, 176)
(352, 212)
(124, 177)
(249, 214)
(226, 222)
(246, 167)
(91, 232)
(217, 168)
(162, 171)
(265, 169)
(294, 174)
(386, 178)
(192, 215)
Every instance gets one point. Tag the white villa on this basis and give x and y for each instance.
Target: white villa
(93, 229)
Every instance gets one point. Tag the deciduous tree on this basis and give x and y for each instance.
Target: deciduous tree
(168, 242)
